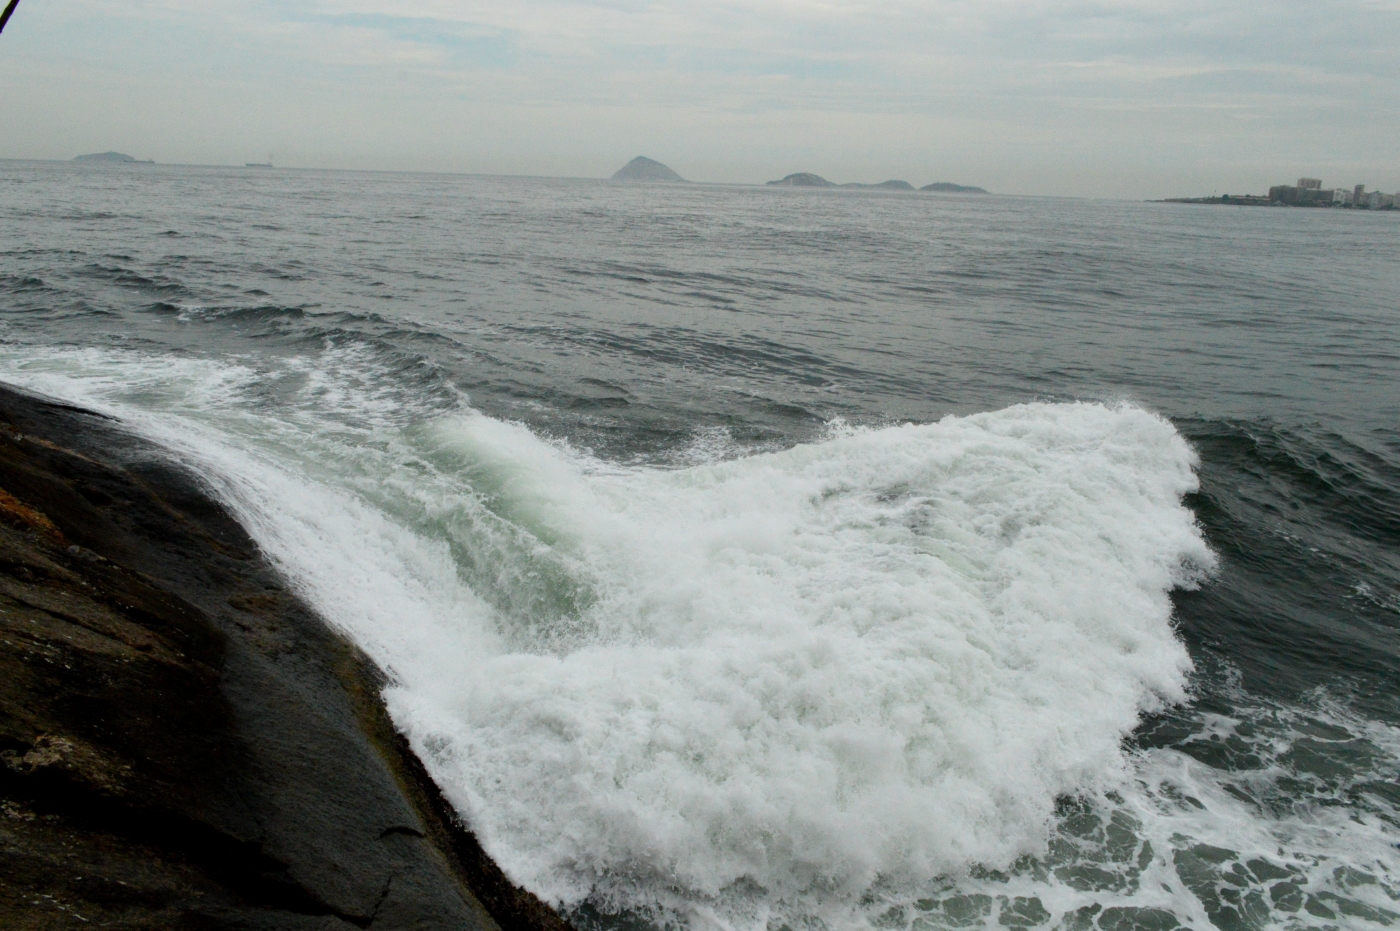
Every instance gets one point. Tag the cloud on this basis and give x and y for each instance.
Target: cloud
(457, 83)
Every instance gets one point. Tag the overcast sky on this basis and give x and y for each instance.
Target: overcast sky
(1124, 98)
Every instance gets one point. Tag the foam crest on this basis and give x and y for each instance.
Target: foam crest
(766, 689)
(880, 656)
(1271, 816)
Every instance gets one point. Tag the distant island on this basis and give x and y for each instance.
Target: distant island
(1308, 192)
(114, 158)
(945, 187)
(642, 168)
(884, 185)
(804, 179)
(807, 179)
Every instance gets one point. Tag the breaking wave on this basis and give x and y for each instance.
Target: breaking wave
(907, 677)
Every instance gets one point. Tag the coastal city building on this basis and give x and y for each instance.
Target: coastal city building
(1307, 192)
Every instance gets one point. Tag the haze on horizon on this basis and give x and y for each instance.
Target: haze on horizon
(1129, 98)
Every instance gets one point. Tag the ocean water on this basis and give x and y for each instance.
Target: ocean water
(778, 559)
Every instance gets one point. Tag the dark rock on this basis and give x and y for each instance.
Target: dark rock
(645, 169)
(183, 744)
(804, 179)
(944, 187)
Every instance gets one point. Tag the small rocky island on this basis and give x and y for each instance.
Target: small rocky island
(642, 168)
(883, 186)
(945, 187)
(807, 179)
(803, 179)
(114, 158)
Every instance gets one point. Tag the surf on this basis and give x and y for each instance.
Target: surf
(762, 684)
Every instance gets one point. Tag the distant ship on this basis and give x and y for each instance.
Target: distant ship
(257, 164)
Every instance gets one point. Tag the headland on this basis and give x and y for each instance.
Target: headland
(183, 743)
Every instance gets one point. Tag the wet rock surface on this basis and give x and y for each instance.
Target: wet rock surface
(183, 744)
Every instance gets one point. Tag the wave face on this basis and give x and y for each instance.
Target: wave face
(893, 678)
(763, 685)
(732, 625)
(882, 656)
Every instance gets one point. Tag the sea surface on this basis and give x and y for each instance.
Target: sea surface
(812, 560)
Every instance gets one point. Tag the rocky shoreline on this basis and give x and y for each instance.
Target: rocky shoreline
(183, 743)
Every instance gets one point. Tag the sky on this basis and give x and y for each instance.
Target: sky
(1110, 98)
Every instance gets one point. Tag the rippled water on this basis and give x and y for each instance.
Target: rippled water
(752, 557)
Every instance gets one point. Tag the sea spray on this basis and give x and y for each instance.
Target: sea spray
(878, 657)
(880, 678)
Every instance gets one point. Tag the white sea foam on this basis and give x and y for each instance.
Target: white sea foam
(879, 656)
(766, 689)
